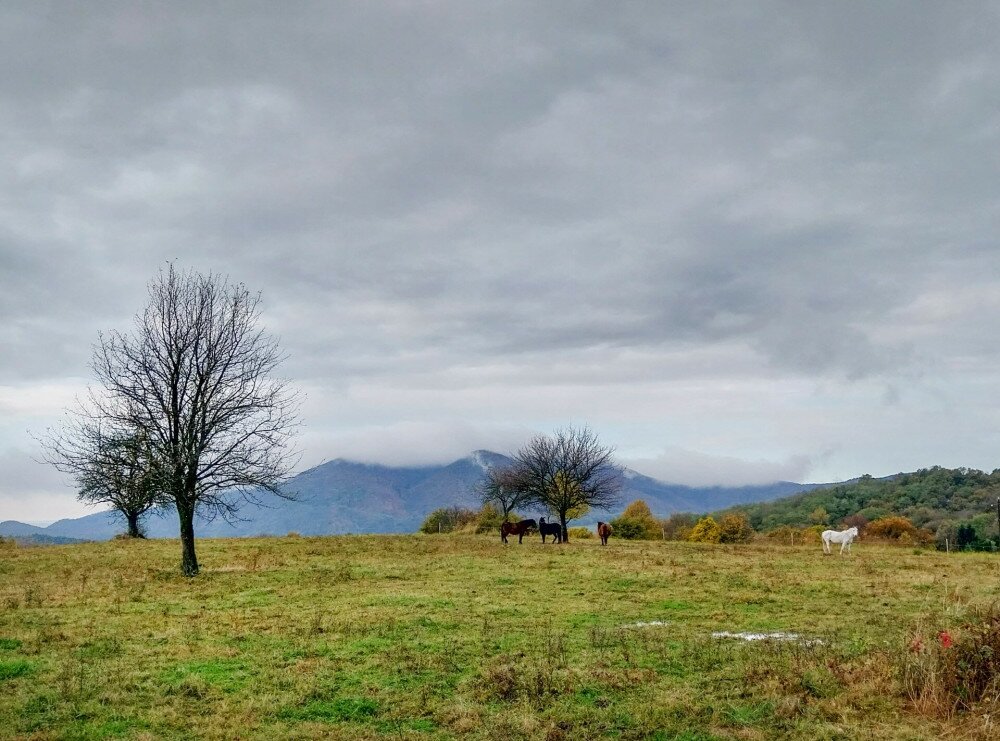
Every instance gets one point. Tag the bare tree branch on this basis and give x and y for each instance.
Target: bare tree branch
(111, 466)
(196, 379)
(568, 473)
(502, 487)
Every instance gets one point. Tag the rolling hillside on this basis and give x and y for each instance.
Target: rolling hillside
(938, 499)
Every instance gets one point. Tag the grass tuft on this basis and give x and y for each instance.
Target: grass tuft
(337, 710)
(12, 669)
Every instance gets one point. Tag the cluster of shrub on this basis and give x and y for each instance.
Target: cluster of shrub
(978, 534)
(955, 508)
(461, 520)
(637, 522)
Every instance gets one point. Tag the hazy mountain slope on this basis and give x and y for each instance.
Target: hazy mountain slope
(98, 526)
(665, 498)
(12, 528)
(347, 497)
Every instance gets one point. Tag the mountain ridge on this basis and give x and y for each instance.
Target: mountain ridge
(342, 496)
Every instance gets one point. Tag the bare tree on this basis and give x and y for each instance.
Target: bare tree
(502, 488)
(568, 473)
(196, 379)
(114, 468)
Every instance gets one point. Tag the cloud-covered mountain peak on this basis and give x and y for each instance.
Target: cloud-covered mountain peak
(486, 459)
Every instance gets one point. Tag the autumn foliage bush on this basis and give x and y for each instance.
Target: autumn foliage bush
(706, 530)
(899, 529)
(449, 519)
(677, 526)
(735, 528)
(636, 523)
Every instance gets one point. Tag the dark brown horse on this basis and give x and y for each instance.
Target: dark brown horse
(604, 531)
(517, 528)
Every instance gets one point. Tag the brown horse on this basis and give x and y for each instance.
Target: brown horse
(604, 530)
(517, 528)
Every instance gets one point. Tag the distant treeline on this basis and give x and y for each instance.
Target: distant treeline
(953, 505)
(36, 539)
(952, 508)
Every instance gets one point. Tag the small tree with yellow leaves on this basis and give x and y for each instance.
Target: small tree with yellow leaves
(706, 530)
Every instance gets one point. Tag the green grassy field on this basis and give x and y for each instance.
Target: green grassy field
(442, 637)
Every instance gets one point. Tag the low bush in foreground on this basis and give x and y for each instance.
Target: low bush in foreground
(948, 670)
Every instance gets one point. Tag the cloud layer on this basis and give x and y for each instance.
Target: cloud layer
(764, 235)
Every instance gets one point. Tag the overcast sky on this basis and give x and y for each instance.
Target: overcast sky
(742, 241)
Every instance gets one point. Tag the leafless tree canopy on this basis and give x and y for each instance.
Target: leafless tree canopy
(568, 471)
(503, 488)
(115, 468)
(196, 378)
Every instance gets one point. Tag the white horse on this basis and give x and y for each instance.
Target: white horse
(844, 537)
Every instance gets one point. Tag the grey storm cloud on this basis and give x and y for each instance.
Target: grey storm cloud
(493, 196)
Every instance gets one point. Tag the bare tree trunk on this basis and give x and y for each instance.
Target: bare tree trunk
(189, 561)
(565, 530)
(133, 525)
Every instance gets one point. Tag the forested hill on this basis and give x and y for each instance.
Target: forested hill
(930, 498)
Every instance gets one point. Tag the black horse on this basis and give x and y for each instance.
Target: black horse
(516, 528)
(550, 528)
